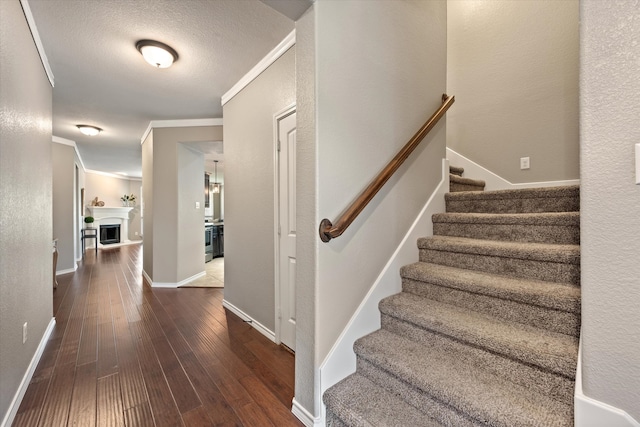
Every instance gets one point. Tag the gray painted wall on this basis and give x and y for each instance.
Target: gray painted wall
(369, 75)
(249, 189)
(610, 202)
(307, 216)
(376, 86)
(25, 200)
(63, 165)
(173, 181)
(513, 68)
(147, 204)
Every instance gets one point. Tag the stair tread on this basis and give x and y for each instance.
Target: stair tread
(542, 218)
(469, 181)
(456, 170)
(365, 403)
(569, 254)
(482, 395)
(520, 193)
(551, 351)
(557, 296)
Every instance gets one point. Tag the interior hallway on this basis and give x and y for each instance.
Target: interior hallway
(124, 354)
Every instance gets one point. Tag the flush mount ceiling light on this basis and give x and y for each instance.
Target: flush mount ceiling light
(216, 185)
(89, 130)
(157, 54)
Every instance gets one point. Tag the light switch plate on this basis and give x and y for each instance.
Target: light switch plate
(637, 163)
(197, 205)
(525, 163)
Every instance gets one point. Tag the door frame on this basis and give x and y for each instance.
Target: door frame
(287, 111)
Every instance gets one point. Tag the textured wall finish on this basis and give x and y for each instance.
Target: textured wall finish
(249, 194)
(513, 67)
(63, 164)
(25, 199)
(610, 202)
(380, 74)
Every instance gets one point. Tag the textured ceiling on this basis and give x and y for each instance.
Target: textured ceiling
(101, 79)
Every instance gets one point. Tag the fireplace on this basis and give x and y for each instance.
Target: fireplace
(109, 234)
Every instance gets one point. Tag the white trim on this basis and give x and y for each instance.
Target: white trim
(590, 412)
(26, 379)
(68, 270)
(493, 181)
(341, 360)
(251, 321)
(146, 277)
(269, 59)
(175, 285)
(285, 112)
(304, 416)
(64, 141)
(36, 39)
(113, 175)
(183, 123)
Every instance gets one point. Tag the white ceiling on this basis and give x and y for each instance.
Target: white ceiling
(102, 80)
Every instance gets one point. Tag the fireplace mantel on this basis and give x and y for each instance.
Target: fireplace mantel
(98, 212)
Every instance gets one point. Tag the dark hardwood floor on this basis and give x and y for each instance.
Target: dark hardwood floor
(123, 354)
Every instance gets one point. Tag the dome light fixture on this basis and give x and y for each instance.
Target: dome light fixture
(89, 130)
(157, 54)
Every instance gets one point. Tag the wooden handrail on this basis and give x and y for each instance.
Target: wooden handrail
(329, 231)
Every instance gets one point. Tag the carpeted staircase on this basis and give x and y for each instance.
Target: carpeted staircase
(485, 331)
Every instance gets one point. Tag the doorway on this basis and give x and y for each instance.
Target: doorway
(285, 125)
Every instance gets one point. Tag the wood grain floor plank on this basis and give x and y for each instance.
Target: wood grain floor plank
(82, 411)
(109, 402)
(139, 416)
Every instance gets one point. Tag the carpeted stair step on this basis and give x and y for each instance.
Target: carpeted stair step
(554, 263)
(546, 227)
(544, 199)
(357, 401)
(460, 184)
(455, 170)
(549, 351)
(549, 305)
(451, 391)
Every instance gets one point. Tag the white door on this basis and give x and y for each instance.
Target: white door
(287, 227)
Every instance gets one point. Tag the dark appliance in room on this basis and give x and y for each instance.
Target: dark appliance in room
(213, 241)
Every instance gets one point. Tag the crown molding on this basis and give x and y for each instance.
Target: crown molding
(113, 175)
(178, 124)
(64, 141)
(269, 59)
(26, 9)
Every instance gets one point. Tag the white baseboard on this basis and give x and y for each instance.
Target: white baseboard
(341, 360)
(17, 398)
(146, 277)
(590, 412)
(244, 316)
(68, 270)
(304, 416)
(493, 181)
(172, 284)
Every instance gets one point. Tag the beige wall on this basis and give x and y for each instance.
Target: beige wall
(173, 181)
(307, 377)
(25, 200)
(513, 68)
(63, 166)
(110, 189)
(249, 189)
(610, 203)
(370, 75)
(147, 204)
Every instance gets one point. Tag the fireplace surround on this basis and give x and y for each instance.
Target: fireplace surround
(106, 218)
